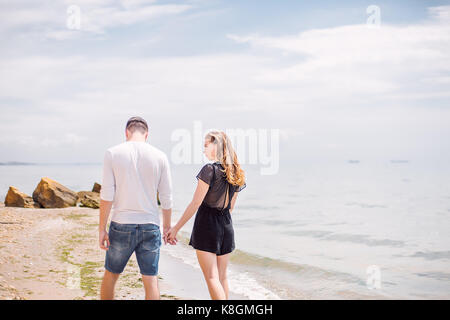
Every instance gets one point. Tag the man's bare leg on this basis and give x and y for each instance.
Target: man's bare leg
(108, 284)
(151, 287)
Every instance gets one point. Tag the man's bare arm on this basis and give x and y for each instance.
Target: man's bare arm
(167, 218)
(105, 209)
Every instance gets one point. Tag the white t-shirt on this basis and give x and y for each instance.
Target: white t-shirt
(133, 172)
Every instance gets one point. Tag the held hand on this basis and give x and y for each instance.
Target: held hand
(103, 238)
(165, 237)
(165, 230)
(172, 235)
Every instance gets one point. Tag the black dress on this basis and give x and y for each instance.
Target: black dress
(213, 226)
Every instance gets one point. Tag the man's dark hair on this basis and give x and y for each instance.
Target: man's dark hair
(137, 123)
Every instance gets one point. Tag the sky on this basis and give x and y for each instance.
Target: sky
(334, 82)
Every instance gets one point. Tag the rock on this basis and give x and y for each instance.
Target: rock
(89, 199)
(51, 194)
(97, 187)
(81, 194)
(15, 198)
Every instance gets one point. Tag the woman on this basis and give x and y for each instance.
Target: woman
(213, 235)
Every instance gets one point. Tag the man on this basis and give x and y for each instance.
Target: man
(133, 172)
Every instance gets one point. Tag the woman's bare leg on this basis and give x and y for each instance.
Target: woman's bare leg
(222, 264)
(208, 264)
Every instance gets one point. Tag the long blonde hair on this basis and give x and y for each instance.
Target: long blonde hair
(227, 157)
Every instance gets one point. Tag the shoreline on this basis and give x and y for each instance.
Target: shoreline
(52, 254)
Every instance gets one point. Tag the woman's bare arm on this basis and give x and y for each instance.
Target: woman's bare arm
(233, 201)
(199, 195)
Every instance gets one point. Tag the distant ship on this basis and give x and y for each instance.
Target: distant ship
(353, 161)
(399, 161)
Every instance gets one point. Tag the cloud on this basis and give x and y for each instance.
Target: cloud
(290, 133)
(356, 60)
(34, 142)
(442, 14)
(53, 20)
(97, 20)
(349, 89)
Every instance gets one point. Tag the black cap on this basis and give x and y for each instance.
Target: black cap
(137, 120)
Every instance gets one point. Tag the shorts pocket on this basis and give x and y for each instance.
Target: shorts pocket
(119, 239)
(151, 240)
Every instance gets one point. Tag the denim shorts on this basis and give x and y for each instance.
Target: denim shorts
(124, 239)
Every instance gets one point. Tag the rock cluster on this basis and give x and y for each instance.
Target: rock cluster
(89, 199)
(96, 188)
(15, 198)
(51, 194)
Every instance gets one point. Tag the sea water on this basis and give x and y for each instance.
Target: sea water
(341, 230)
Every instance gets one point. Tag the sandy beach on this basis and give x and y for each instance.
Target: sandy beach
(53, 254)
